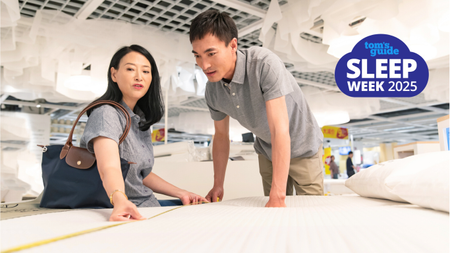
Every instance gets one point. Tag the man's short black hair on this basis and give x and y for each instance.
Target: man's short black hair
(351, 152)
(214, 22)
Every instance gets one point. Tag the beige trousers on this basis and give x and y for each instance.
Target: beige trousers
(305, 175)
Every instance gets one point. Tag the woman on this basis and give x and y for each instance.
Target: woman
(133, 81)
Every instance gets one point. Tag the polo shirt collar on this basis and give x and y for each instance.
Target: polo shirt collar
(239, 71)
(132, 114)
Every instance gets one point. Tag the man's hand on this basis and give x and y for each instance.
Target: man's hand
(276, 199)
(273, 202)
(191, 198)
(216, 191)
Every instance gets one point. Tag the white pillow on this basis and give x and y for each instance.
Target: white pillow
(370, 182)
(423, 180)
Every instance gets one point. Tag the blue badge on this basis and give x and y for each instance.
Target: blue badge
(381, 65)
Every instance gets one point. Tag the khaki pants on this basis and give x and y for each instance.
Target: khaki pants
(305, 175)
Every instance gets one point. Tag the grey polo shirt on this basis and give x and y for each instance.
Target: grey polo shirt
(108, 121)
(260, 76)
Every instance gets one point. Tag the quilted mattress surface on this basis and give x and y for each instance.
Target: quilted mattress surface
(308, 224)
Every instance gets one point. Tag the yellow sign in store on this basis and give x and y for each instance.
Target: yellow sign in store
(335, 132)
(158, 135)
(326, 158)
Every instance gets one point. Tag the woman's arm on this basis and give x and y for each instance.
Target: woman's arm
(108, 163)
(159, 185)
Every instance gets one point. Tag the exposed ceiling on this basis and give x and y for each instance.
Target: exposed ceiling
(399, 120)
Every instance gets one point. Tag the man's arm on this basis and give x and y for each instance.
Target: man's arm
(353, 166)
(278, 120)
(220, 153)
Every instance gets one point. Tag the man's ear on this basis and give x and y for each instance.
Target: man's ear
(113, 74)
(233, 44)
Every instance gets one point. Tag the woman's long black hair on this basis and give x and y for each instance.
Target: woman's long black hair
(151, 103)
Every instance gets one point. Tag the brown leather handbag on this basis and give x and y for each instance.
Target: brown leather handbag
(70, 174)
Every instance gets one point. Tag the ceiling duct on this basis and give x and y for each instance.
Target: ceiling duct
(319, 23)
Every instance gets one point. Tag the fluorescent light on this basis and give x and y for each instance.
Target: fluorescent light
(332, 118)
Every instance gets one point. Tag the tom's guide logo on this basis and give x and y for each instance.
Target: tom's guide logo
(381, 65)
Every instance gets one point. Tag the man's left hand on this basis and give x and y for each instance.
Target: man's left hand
(276, 202)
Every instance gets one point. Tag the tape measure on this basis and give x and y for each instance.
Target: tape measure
(87, 231)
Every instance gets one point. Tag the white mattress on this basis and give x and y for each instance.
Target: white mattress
(309, 224)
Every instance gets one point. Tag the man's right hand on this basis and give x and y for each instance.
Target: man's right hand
(216, 191)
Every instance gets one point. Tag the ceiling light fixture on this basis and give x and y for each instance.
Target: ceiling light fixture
(331, 118)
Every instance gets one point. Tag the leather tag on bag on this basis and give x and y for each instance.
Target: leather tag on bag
(80, 158)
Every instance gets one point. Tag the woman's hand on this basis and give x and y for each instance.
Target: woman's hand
(124, 210)
(191, 198)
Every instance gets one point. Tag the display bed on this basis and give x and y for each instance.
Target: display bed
(309, 224)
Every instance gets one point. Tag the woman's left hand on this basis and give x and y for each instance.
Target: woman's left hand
(191, 198)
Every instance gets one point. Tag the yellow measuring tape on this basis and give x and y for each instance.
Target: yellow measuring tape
(87, 231)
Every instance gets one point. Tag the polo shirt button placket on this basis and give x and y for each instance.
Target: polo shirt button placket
(234, 95)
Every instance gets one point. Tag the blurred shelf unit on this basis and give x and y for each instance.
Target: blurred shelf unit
(199, 140)
(444, 135)
(415, 148)
(60, 130)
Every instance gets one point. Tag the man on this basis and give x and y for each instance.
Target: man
(350, 167)
(334, 168)
(254, 87)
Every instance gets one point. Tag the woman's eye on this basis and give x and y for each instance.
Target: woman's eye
(146, 72)
(129, 69)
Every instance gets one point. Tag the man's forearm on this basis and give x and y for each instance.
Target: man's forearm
(281, 157)
(221, 151)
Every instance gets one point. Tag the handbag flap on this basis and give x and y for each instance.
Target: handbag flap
(80, 158)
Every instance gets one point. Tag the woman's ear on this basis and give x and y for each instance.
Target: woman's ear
(113, 74)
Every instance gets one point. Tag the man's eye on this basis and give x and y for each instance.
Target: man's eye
(211, 54)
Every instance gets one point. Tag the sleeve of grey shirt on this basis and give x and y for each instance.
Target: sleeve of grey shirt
(275, 79)
(104, 121)
(215, 114)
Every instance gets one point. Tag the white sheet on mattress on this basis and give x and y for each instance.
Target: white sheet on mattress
(309, 224)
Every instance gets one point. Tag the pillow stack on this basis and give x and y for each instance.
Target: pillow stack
(421, 180)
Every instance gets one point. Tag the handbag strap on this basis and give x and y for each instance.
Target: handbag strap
(68, 144)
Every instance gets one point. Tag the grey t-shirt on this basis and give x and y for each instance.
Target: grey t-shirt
(108, 121)
(260, 76)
